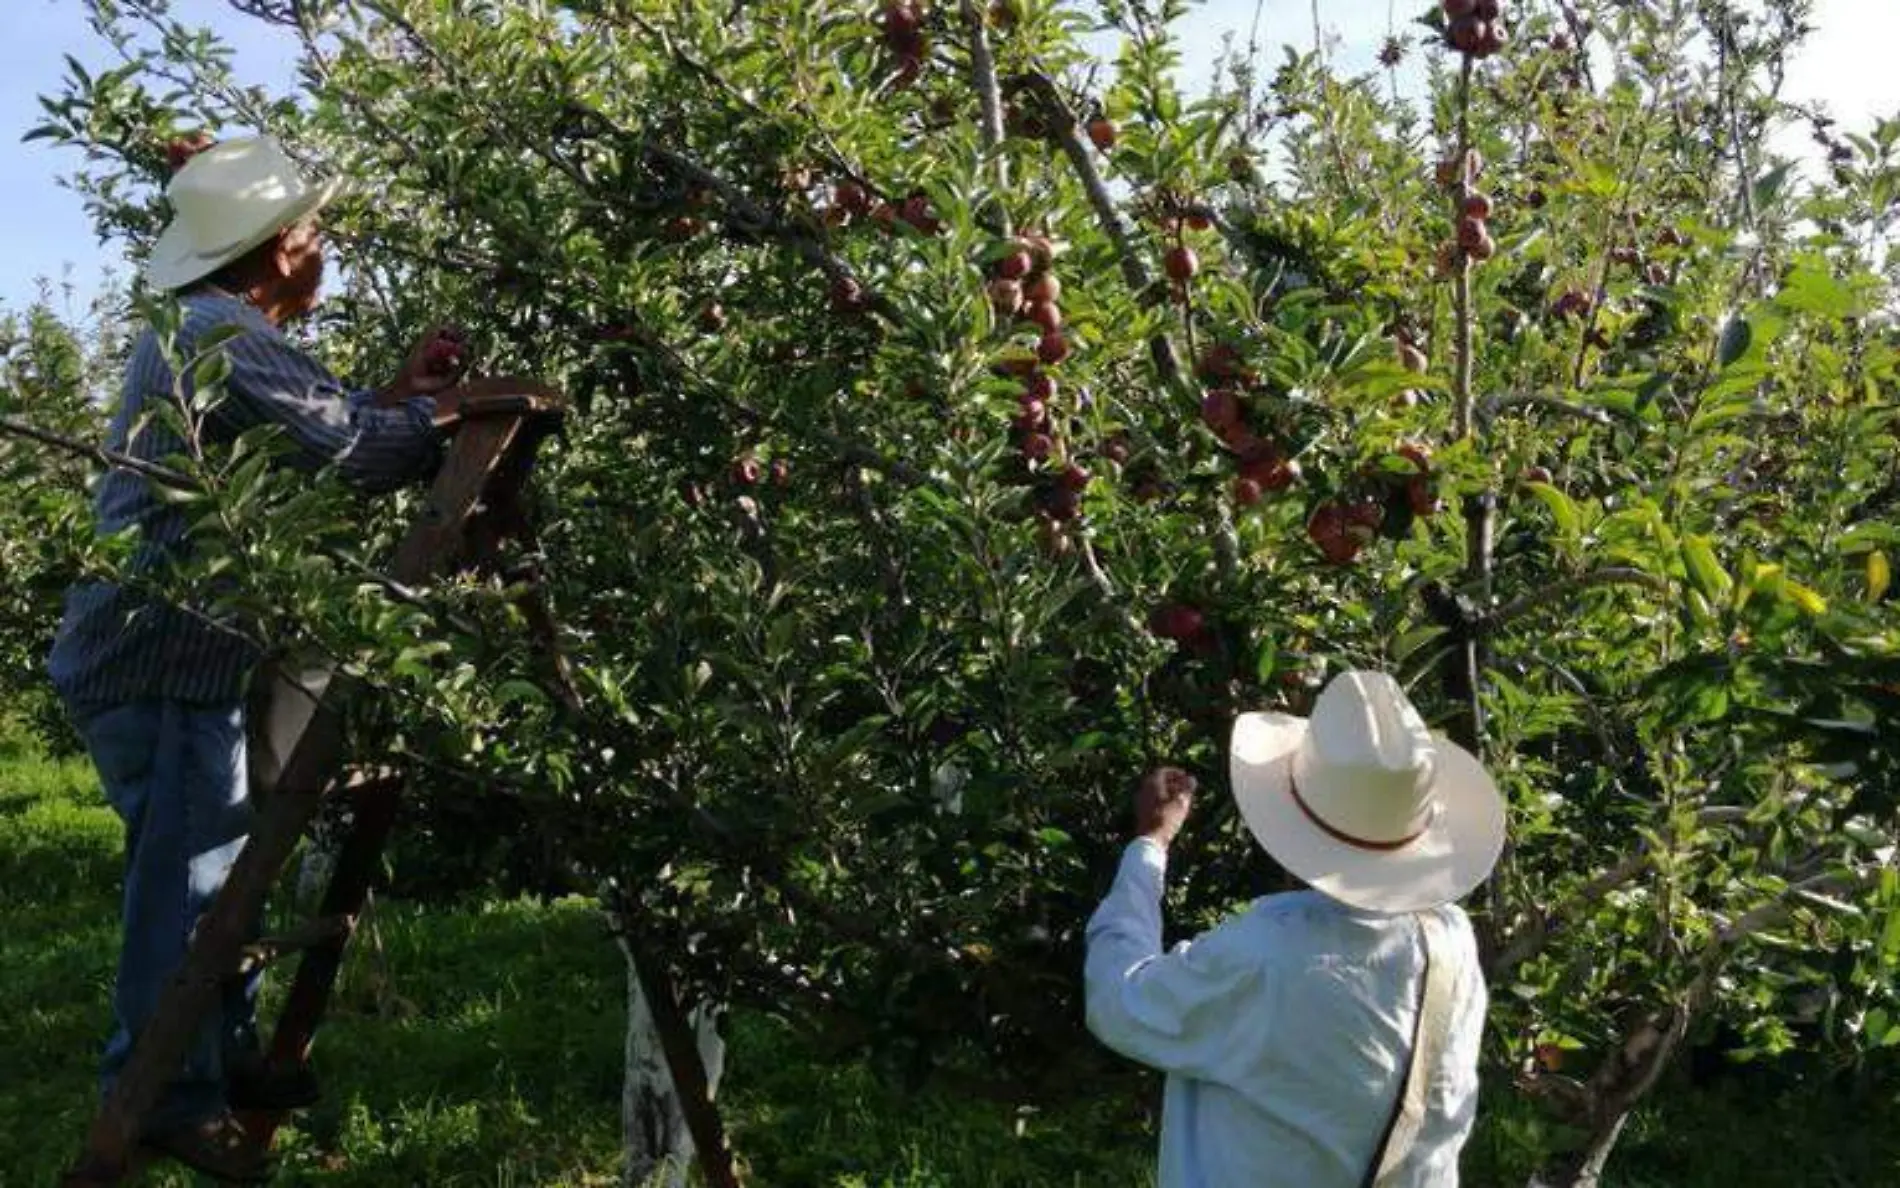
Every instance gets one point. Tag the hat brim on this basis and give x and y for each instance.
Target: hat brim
(1454, 854)
(176, 261)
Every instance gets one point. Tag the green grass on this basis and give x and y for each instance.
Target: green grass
(483, 1048)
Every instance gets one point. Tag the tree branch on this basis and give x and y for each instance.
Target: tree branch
(1134, 269)
(1499, 404)
(1614, 575)
(1547, 924)
(990, 100)
(105, 457)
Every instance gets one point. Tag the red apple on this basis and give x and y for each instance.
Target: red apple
(1220, 409)
(1044, 314)
(1181, 263)
(1176, 622)
(1074, 477)
(745, 471)
(1240, 439)
(1014, 266)
(1218, 362)
(1477, 205)
(1327, 530)
(1053, 348)
(901, 20)
(1043, 287)
(1246, 492)
(917, 212)
(847, 296)
(851, 197)
(1038, 446)
(442, 356)
(1006, 297)
(1062, 503)
(1102, 133)
(1040, 387)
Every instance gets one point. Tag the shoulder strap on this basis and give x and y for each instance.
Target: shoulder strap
(1430, 1025)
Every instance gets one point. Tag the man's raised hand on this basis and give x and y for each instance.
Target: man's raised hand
(436, 363)
(1162, 803)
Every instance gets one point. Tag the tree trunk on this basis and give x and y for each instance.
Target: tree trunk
(1584, 1169)
(658, 1144)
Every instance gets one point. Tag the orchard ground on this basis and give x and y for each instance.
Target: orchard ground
(485, 1048)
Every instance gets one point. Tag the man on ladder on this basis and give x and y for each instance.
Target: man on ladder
(158, 691)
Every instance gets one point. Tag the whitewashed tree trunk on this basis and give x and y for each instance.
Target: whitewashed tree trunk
(314, 867)
(659, 1148)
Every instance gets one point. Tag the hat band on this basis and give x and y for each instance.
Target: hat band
(1338, 835)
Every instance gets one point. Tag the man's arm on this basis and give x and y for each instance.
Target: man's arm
(1179, 1012)
(376, 448)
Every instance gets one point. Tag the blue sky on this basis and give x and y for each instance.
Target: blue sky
(1848, 65)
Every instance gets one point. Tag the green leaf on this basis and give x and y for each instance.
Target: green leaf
(1890, 936)
(1877, 1023)
(1562, 508)
(1879, 575)
(525, 692)
(1769, 185)
(1267, 661)
(1803, 597)
(1736, 336)
(1698, 556)
(1811, 288)
(1418, 637)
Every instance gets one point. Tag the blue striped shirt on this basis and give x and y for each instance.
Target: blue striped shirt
(115, 645)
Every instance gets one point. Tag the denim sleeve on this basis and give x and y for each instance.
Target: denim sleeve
(273, 383)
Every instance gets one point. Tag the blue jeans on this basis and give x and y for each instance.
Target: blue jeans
(175, 774)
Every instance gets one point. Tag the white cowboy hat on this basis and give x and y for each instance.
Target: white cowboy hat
(227, 200)
(1363, 802)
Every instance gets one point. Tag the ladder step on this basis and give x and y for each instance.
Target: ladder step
(319, 930)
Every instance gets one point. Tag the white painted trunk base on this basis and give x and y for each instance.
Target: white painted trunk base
(659, 1149)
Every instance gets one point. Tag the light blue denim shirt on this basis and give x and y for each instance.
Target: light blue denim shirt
(1283, 1033)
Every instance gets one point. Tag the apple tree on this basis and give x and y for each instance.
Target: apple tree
(962, 422)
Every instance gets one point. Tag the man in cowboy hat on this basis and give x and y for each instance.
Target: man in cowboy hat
(1324, 1038)
(156, 690)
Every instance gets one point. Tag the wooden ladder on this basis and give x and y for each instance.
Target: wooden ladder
(298, 762)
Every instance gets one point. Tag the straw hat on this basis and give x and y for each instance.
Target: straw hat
(1365, 803)
(227, 200)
